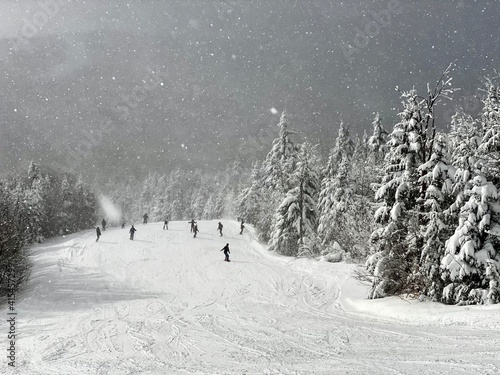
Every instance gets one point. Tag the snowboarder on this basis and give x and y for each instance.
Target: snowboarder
(132, 231)
(165, 225)
(193, 223)
(220, 228)
(226, 252)
(242, 226)
(103, 223)
(145, 217)
(98, 232)
(195, 230)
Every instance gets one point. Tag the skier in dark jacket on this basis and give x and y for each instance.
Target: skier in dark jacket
(195, 230)
(220, 228)
(193, 223)
(165, 225)
(132, 232)
(226, 252)
(145, 217)
(98, 232)
(242, 226)
(103, 223)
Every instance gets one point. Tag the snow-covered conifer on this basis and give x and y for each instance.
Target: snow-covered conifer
(377, 142)
(489, 149)
(281, 161)
(336, 179)
(295, 221)
(472, 256)
(395, 240)
(437, 177)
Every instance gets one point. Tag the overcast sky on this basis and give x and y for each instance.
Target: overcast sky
(199, 83)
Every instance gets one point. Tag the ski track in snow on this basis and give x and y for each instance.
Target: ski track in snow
(166, 303)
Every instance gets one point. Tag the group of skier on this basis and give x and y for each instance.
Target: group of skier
(194, 229)
(132, 230)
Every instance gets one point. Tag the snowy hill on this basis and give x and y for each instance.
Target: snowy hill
(167, 303)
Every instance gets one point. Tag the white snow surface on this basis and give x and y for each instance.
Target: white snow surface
(167, 303)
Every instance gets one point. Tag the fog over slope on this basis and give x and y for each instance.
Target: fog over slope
(164, 83)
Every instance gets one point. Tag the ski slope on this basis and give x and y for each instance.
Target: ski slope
(167, 303)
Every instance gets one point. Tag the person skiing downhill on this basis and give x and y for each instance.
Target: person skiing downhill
(195, 230)
(132, 231)
(226, 252)
(242, 226)
(193, 223)
(220, 228)
(98, 232)
(165, 225)
(145, 217)
(103, 223)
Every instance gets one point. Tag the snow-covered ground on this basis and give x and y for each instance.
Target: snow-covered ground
(167, 303)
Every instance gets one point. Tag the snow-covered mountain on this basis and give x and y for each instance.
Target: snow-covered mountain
(167, 303)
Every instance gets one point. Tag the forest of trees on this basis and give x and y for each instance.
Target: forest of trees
(34, 206)
(178, 195)
(418, 204)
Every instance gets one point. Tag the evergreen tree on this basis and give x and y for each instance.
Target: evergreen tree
(209, 209)
(402, 214)
(276, 178)
(250, 198)
(14, 262)
(438, 177)
(281, 160)
(465, 138)
(472, 259)
(294, 226)
(219, 204)
(396, 239)
(335, 185)
(377, 142)
(344, 149)
(34, 217)
(65, 218)
(489, 150)
(334, 199)
(198, 204)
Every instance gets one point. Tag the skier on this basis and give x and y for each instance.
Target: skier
(98, 232)
(220, 228)
(195, 230)
(226, 252)
(132, 231)
(242, 226)
(103, 223)
(193, 223)
(123, 224)
(165, 225)
(145, 217)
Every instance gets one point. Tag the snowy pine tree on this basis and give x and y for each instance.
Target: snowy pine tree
(396, 239)
(335, 186)
(377, 142)
(14, 261)
(281, 160)
(489, 150)
(472, 257)
(438, 179)
(295, 221)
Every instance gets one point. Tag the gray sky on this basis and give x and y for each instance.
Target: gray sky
(106, 86)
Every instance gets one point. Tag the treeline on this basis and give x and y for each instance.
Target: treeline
(178, 195)
(420, 206)
(36, 206)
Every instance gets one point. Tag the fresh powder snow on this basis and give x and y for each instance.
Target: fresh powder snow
(167, 303)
